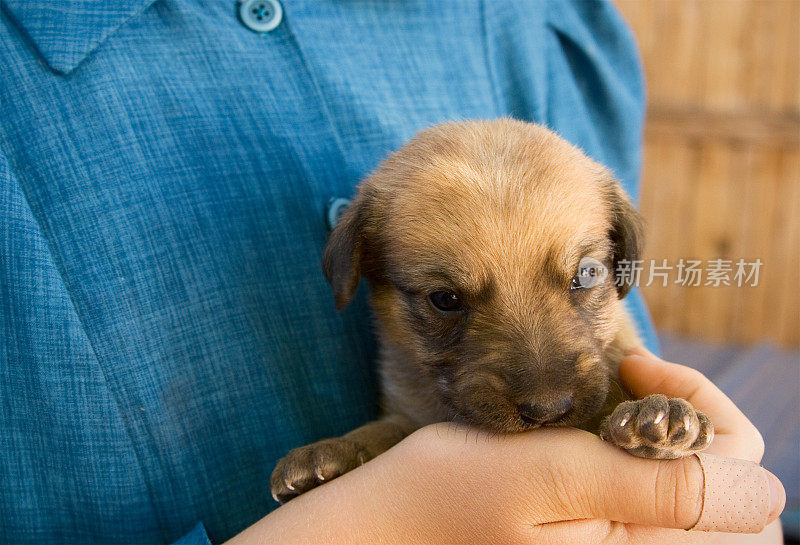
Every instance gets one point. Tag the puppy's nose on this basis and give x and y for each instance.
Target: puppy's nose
(543, 413)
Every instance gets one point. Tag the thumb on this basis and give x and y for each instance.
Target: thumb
(644, 374)
(700, 492)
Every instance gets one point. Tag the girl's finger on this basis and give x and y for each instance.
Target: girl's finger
(645, 374)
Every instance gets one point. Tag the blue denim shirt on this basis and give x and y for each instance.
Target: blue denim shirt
(166, 333)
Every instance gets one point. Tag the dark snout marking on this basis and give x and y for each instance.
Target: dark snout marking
(535, 414)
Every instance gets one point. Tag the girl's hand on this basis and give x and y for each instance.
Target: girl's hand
(451, 484)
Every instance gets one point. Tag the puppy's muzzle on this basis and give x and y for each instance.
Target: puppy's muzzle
(539, 413)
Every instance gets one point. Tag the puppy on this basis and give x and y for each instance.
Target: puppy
(473, 238)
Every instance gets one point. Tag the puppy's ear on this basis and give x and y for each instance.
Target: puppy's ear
(626, 233)
(342, 256)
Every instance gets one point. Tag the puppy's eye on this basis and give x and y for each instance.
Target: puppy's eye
(446, 301)
(591, 272)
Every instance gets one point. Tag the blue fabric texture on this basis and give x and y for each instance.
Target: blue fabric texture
(166, 333)
(196, 537)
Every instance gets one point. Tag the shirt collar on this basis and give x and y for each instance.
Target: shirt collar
(66, 31)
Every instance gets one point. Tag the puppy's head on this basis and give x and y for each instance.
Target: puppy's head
(471, 237)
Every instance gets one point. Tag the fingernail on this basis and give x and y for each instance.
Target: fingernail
(777, 497)
(642, 351)
(637, 359)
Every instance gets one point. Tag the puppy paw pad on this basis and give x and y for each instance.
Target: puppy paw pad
(307, 467)
(658, 427)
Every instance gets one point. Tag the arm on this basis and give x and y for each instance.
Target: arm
(453, 484)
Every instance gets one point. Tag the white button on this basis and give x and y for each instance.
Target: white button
(336, 208)
(260, 15)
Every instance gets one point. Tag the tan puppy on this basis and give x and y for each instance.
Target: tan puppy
(471, 237)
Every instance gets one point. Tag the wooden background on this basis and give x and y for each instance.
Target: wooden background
(722, 160)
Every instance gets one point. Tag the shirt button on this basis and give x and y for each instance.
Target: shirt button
(260, 15)
(336, 208)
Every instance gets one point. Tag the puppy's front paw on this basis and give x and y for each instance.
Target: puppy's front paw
(658, 427)
(309, 466)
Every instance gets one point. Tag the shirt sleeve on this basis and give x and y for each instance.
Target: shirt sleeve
(196, 537)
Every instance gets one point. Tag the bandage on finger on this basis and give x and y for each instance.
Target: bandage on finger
(736, 495)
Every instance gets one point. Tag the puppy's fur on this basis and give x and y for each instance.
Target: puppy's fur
(490, 220)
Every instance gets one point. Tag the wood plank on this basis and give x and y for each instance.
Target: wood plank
(757, 190)
(722, 159)
(750, 127)
(786, 321)
(725, 24)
